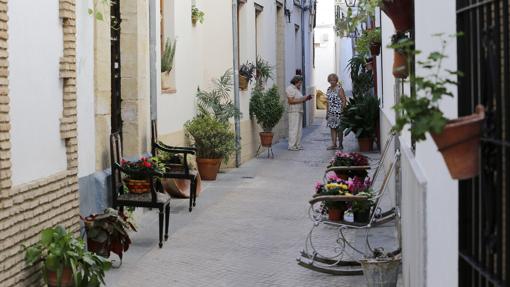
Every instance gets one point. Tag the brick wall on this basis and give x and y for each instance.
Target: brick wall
(27, 209)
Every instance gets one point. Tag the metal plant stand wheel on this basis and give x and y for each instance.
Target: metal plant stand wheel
(270, 153)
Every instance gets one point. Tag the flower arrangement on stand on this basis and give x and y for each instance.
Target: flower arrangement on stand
(335, 209)
(351, 159)
(361, 208)
(140, 172)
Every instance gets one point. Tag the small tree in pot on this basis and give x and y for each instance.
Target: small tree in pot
(268, 109)
(360, 117)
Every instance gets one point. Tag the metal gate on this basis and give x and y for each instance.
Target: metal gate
(484, 202)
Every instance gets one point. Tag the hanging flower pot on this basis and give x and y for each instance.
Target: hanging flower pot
(459, 144)
(166, 81)
(400, 68)
(400, 13)
(243, 82)
(208, 167)
(266, 139)
(375, 48)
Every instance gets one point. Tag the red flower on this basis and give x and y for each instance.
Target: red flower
(123, 162)
(147, 164)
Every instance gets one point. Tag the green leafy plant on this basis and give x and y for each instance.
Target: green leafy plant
(110, 231)
(211, 137)
(167, 58)
(369, 37)
(351, 21)
(217, 102)
(98, 8)
(140, 169)
(247, 70)
(421, 111)
(197, 14)
(360, 116)
(267, 107)
(361, 78)
(59, 249)
(263, 71)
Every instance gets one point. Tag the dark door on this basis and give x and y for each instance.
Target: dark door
(484, 202)
(115, 68)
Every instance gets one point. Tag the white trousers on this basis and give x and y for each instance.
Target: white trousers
(295, 129)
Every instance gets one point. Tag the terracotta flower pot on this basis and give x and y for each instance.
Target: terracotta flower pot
(166, 82)
(266, 139)
(65, 281)
(335, 213)
(208, 167)
(400, 13)
(365, 144)
(342, 175)
(243, 82)
(400, 67)
(375, 48)
(137, 185)
(180, 188)
(459, 144)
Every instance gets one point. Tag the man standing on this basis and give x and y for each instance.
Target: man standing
(295, 100)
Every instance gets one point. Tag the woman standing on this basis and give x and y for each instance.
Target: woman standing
(336, 103)
(295, 100)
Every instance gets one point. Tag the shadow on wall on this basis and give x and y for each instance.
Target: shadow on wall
(95, 192)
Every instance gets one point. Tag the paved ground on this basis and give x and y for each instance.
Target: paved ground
(247, 229)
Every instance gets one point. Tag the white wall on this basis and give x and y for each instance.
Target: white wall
(85, 89)
(442, 195)
(35, 47)
(325, 51)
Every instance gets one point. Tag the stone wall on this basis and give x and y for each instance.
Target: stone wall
(27, 209)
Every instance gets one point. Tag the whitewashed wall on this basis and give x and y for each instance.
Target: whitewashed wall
(85, 89)
(438, 231)
(35, 89)
(325, 48)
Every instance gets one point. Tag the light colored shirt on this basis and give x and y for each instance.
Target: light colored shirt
(293, 92)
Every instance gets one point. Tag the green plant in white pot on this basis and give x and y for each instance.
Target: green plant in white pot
(167, 64)
(268, 109)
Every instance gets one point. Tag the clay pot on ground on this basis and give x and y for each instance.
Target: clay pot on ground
(459, 144)
(208, 167)
(166, 82)
(65, 281)
(336, 213)
(180, 188)
(400, 13)
(365, 144)
(400, 67)
(375, 48)
(243, 82)
(266, 139)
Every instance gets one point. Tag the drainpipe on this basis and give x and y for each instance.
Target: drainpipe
(153, 66)
(303, 72)
(236, 81)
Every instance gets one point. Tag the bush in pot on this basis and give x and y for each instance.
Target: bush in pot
(360, 117)
(268, 109)
(214, 141)
(65, 260)
(108, 232)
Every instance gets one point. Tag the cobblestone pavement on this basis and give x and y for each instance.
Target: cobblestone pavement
(247, 229)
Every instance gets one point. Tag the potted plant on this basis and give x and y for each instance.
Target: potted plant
(263, 71)
(401, 55)
(369, 42)
(214, 141)
(65, 261)
(400, 13)
(140, 171)
(197, 15)
(458, 140)
(360, 117)
(108, 232)
(335, 209)
(245, 75)
(167, 64)
(362, 79)
(361, 208)
(381, 269)
(268, 110)
(349, 159)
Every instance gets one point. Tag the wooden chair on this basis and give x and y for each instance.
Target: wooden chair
(176, 171)
(156, 198)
